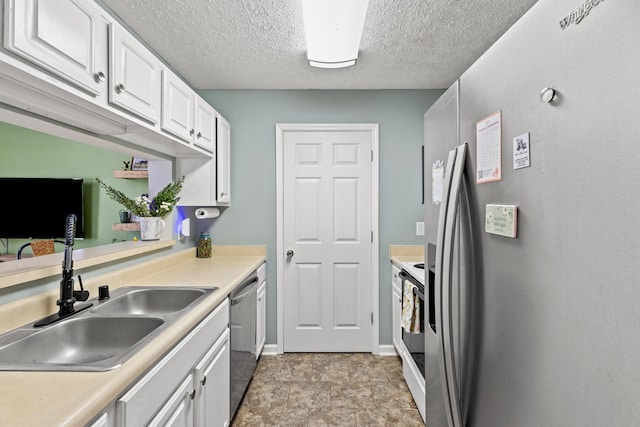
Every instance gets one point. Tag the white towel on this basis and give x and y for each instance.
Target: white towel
(410, 308)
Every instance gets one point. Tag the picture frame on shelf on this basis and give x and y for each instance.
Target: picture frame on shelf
(138, 164)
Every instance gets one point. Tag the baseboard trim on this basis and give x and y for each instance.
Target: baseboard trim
(383, 350)
(387, 350)
(270, 350)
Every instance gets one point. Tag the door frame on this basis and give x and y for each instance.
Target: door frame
(281, 128)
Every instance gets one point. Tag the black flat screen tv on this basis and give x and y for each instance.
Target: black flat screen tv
(38, 207)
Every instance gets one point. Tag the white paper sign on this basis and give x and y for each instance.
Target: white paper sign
(521, 151)
(489, 148)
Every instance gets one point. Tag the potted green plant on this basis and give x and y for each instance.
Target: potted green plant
(150, 210)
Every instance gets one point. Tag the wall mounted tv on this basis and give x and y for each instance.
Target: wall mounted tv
(38, 207)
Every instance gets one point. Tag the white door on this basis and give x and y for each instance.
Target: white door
(327, 232)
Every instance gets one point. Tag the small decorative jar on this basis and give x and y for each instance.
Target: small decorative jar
(204, 245)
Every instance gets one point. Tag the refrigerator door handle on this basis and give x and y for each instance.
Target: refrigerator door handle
(444, 257)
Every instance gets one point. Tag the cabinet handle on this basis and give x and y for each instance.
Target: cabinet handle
(120, 88)
(99, 77)
(192, 395)
(203, 381)
(199, 135)
(191, 132)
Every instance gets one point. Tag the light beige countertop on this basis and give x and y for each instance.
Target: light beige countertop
(406, 253)
(74, 398)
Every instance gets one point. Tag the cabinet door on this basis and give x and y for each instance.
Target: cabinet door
(178, 100)
(205, 125)
(178, 410)
(134, 77)
(65, 37)
(213, 384)
(199, 181)
(396, 310)
(223, 161)
(261, 319)
(101, 421)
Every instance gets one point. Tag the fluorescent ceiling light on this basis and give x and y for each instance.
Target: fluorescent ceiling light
(333, 29)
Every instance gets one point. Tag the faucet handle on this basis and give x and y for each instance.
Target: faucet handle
(81, 295)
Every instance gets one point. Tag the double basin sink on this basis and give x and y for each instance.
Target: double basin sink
(102, 337)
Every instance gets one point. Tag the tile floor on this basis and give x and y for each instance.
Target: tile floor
(328, 389)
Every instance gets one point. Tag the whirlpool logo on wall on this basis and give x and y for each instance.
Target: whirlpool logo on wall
(579, 13)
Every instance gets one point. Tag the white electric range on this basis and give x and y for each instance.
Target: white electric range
(413, 360)
(415, 269)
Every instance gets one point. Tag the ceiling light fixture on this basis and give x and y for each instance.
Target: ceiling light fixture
(333, 29)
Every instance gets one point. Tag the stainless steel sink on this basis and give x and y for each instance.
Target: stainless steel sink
(150, 301)
(80, 341)
(101, 338)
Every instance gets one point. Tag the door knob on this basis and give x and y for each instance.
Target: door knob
(290, 254)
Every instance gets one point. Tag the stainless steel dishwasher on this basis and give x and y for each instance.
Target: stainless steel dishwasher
(243, 338)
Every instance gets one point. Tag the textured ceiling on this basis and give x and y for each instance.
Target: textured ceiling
(259, 44)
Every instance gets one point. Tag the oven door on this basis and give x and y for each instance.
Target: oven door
(414, 341)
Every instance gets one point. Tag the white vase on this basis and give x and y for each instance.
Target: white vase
(150, 227)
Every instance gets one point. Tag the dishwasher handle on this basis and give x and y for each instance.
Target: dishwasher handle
(237, 299)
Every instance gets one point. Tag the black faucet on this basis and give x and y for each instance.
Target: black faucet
(67, 295)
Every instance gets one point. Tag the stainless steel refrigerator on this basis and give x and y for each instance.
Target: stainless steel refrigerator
(542, 329)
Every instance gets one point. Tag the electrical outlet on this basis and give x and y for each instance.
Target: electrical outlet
(419, 228)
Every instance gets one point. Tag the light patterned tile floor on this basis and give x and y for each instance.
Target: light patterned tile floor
(328, 389)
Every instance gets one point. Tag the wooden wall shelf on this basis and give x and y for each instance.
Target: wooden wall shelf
(131, 174)
(127, 226)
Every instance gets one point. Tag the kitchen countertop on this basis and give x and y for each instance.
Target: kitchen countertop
(406, 253)
(75, 398)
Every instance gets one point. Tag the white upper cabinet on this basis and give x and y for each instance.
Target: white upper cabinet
(205, 125)
(207, 181)
(134, 80)
(64, 37)
(178, 101)
(223, 161)
(185, 114)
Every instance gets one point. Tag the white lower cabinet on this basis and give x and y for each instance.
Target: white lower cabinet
(396, 310)
(101, 421)
(212, 377)
(178, 410)
(261, 321)
(189, 386)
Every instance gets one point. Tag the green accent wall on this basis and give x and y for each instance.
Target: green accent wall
(251, 219)
(27, 153)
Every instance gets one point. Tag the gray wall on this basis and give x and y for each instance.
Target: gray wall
(252, 217)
